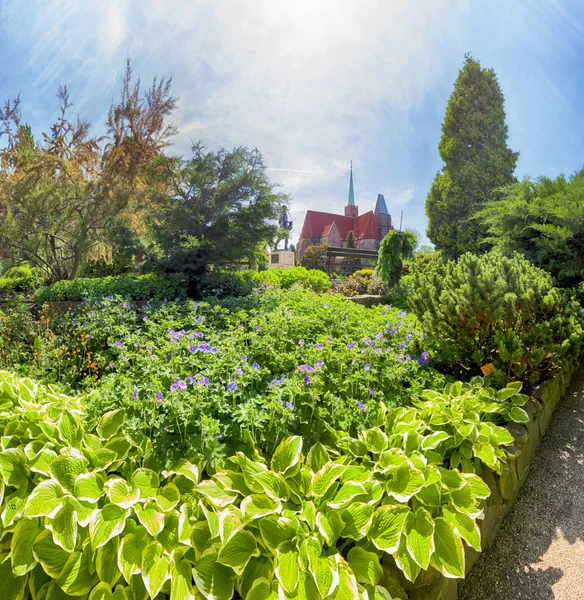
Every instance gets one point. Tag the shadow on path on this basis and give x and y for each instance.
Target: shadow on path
(538, 553)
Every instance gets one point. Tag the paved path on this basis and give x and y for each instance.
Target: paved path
(538, 553)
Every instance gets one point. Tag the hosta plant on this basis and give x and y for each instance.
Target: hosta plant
(86, 511)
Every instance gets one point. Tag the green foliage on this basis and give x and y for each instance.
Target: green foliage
(477, 160)
(350, 241)
(500, 310)
(141, 287)
(20, 279)
(86, 510)
(395, 247)
(544, 221)
(219, 207)
(286, 278)
(314, 257)
(423, 260)
(299, 362)
(365, 273)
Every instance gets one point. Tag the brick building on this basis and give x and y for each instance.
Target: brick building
(331, 229)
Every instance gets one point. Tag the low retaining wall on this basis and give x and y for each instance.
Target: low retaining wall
(431, 585)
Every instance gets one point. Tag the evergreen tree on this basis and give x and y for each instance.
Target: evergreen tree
(477, 160)
(350, 240)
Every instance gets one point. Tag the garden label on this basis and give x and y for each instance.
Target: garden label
(488, 369)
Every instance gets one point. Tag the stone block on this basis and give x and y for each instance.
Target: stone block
(540, 392)
(446, 589)
(518, 431)
(489, 525)
(527, 453)
(533, 407)
(509, 481)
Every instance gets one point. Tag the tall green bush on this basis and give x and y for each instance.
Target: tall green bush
(500, 310)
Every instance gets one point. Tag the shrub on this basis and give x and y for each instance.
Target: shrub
(500, 310)
(364, 273)
(20, 279)
(357, 285)
(225, 284)
(286, 278)
(86, 510)
(141, 287)
(314, 257)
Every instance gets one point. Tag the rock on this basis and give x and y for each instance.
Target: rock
(519, 432)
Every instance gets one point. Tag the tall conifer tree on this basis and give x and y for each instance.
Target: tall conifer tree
(477, 160)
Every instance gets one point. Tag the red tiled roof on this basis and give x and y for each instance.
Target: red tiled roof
(317, 224)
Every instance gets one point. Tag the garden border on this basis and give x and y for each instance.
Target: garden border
(505, 487)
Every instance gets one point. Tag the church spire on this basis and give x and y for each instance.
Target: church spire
(351, 201)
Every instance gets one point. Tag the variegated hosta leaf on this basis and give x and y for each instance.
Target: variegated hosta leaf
(155, 567)
(51, 557)
(106, 562)
(89, 487)
(238, 550)
(146, 482)
(214, 580)
(286, 458)
(75, 578)
(21, 554)
(364, 565)
(130, 556)
(120, 493)
(150, 517)
(45, 500)
(64, 524)
(110, 423)
(13, 470)
(67, 467)
(106, 523)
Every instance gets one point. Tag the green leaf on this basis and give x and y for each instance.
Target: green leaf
(287, 567)
(152, 519)
(66, 468)
(287, 456)
(89, 487)
(11, 587)
(45, 500)
(75, 578)
(106, 523)
(406, 482)
(357, 519)
(121, 493)
(433, 440)
(464, 526)
(213, 579)
(155, 567)
(42, 461)
(130, 556)
(13, 469)
(51, 557)
(110, 423)
(106, 562)
(275, 530)
(64, 525)
(181, 586)
(317, 457)
(325, 478)
(261, 590)
(13, 506)
(186, 469)
(448, 557)
(259, 567)
(387, 527)
(375, 440)
(329, 526)
(420, 536)
(486, 453)
(256, 506)
(146, 482)
(518, 415)
(237, 551)
(478, 488)
(21, 554)
(365, 565)
(69, 428)
(405, 562)
(215, 494)
(168, 498)
(348, 587)
(347, 494)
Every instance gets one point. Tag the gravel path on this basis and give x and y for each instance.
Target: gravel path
(538, 553)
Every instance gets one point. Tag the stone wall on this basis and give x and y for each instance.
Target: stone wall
(504, 488)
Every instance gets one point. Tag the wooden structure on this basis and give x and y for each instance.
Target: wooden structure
(349, 260)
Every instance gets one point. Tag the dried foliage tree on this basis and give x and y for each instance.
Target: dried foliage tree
(59, 196)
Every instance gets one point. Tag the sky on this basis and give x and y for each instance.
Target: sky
(313, 83)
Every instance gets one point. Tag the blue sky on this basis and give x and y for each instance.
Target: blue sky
(314, 83)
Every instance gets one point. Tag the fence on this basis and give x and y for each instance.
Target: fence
(348, 260)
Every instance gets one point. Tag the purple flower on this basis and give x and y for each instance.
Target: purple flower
(89, 337)
(408, 357)
(191, 379)
(319, 364)
(354, 361)
(350, 345)
(177, 384)
(361, 405)
(165, 300)
(274, 382)
(329, 339)
(127, 306)
(408, 336)
(232, 387)
(125, 358)
(239, 371)
(154, 356)
(119, 344)
(319, 346)
(379, 335)
(159, 396)
(240, 326)
(256, 366)
(378, 351)
(204, 381)
(199, 319)
(306, 379)
(111, 365)
(424, 335)
(371, 392)
(289, 405)
(149, 348)
(144, 318)
(243, 358)
(74, 321)
(136, 344)
(367, 367)
(393, 331)
(192, 349)
(258, 328)
(301, 342)
(424, 359)
(135, 393)
(366, 339)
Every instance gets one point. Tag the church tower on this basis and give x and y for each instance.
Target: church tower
(382, 217)
(351, 210)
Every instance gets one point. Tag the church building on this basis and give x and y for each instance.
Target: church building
(330, 229)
